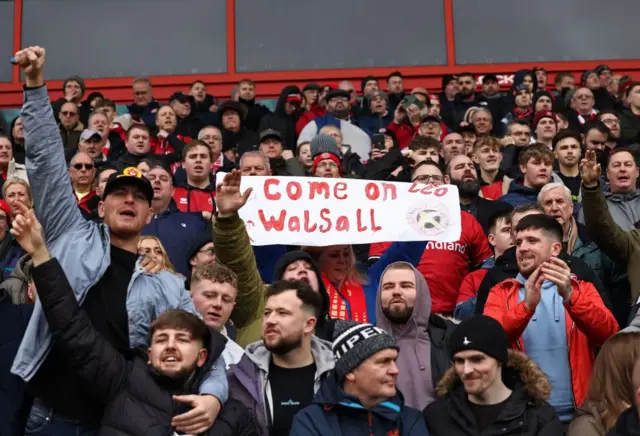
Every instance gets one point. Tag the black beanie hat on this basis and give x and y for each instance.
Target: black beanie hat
(538, 94)
(480, 333)
(365, 80)
(446, 79)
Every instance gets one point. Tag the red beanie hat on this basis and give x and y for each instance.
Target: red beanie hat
(324, 156)
(540, 115)
(5, 207)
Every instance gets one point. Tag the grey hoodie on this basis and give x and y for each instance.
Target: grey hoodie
(414, 359)
(249, 379)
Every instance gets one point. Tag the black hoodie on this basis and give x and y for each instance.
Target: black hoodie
(324, 327)
(283, 123)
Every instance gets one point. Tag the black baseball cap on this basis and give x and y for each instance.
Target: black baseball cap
(433, 118)
(490, 78)
(130, 176)
(270, 133)
(181, 97)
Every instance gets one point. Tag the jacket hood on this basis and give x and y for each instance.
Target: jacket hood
(621, 197)
(518, 78)
(332, 395)
(292, 89)
(216, 343)
(321, 351)
(293, 256)
(520, 371)
(419, 320)
(517, 185)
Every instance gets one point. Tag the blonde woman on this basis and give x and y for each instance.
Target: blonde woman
(150, 246)
(610, 388)
(17, 189)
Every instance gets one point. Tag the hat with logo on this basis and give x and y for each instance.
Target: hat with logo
(540, 115)
(130, 176)
(480, 333)
(89, 133)
(353, 343)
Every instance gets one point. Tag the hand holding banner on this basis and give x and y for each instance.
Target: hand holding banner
(322, 211)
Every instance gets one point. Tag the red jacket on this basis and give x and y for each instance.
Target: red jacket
(445, 264)
(492, 191)
(190, 199)
(404, 132)
(162, 146)
(588, 323)
(470, 285)
(307, 116)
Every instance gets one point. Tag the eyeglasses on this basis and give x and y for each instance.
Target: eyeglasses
(86, 166)
(208, 250)
(69, 114)
(428, 178)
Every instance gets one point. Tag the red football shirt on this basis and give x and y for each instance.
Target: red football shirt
(445, 264)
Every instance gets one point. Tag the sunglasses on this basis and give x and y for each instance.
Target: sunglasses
(79, 166)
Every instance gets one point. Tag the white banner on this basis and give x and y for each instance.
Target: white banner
(312, 211)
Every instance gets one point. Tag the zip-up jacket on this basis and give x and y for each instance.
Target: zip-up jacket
(588, 323)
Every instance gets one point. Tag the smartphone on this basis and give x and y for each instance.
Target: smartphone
(408, 101)
(378, 141)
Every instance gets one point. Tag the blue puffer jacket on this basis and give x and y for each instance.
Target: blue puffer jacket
(83, 249)
(176, 229)
(14, 401)
(336, 413)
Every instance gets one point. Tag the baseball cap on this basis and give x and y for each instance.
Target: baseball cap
(89, 133)
(489, 78)
(181, 97)
(270, 133)
(311, 87)
(433, 118)
(130, 176)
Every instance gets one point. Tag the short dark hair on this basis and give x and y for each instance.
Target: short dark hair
(138, 127)
(519, 122)
(547, 224)
(193, 144)
(596, 125)
(181, 320)
(424, 143)
(607, 112)
(102, 168)
(561, 75)
(311, 300)
(197, 81)
(618, 150)
(394, 74)
(466, 74)
(503, 214)
(564, 134)
(105, 102)
(535, 151)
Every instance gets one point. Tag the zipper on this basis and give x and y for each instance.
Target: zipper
(370, 425)
(575, 406)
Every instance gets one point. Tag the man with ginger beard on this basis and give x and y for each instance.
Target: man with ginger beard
(403, 309)
(290, 361)
(462, 173)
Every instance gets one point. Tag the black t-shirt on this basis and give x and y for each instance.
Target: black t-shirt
(292, 391)
(105, 304)
(573, 183)
(486, 414)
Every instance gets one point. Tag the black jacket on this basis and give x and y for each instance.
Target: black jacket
(439, 330)
(138, 400)
(255, 112)
(627, 424)
(280, 121)
(507, 268)
(526, 412)
(15, 403)
(483, 210)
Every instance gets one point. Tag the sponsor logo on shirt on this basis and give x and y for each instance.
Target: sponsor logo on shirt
(290, 403)
(449, 246)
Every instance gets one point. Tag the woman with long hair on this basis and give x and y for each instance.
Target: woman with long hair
(610, 388)
(151, 246)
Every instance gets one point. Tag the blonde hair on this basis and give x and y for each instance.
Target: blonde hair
(166, 263)
(17, 181)
(353, 275)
